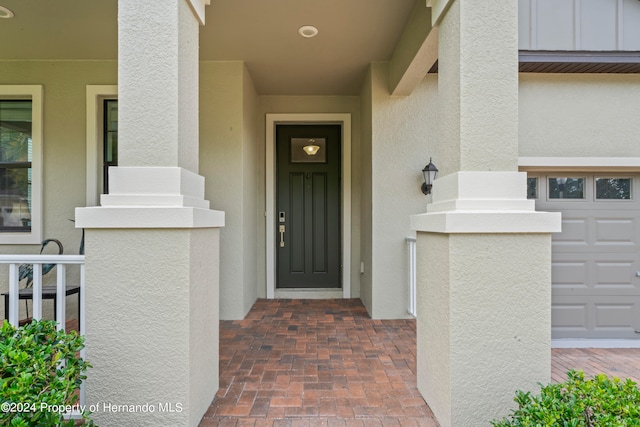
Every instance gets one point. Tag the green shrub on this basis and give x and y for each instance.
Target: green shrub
(36, 387)
(600, 401)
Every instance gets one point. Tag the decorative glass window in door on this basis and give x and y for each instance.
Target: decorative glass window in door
(308, 150)
(16, 150)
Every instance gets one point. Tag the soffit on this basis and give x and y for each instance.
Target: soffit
(262, 33)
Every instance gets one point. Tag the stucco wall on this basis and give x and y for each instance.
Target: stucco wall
(310, 104)
(169, 59)
(64, 145)
(560, 115)
(64, 150)
(582, 115)
(469, 365)
(402, 140)
(227, 123)
(173, 309)
(227, 132)
(434, 338)
(471, 139)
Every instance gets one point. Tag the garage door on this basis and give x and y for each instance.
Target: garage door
(596, 257)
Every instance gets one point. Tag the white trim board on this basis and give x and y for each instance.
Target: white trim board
(579, 163)
(594, 343)
(343, 119)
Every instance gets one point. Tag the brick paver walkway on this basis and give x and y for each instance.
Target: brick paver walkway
(326, 363)
(617, 362)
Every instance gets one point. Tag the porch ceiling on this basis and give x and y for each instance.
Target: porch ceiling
(262, 33)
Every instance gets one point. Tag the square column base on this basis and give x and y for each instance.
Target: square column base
(484, 322)
(152, 302)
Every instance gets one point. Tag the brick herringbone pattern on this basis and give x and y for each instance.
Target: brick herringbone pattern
(326, 363)
(317, 363)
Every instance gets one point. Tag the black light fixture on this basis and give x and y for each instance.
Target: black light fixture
(430, 173)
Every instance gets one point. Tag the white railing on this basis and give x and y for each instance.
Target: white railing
(411, 243)
(12, 299)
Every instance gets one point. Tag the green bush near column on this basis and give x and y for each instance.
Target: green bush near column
(578, 402)
(36, 387)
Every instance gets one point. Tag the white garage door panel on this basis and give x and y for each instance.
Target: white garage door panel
(595, 274)
(568, 318)
(595, 290)
(571, 274)
(611, 315)
(574, 232)
(611, 231)
(595, 317)
(615, 276)
(616, 232)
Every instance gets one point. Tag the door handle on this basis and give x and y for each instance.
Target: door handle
(282, 236)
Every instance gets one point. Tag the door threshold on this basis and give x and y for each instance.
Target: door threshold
(302, 293)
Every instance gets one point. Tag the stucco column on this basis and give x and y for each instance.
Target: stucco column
(152, 247)
(484, 253)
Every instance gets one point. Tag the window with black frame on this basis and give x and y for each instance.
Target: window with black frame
(110, 137)
(16, 173)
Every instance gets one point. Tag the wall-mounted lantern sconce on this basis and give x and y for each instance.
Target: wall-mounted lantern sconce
(430, 173)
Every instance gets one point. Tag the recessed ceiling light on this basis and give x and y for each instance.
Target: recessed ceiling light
(308, 31)
(5, 13)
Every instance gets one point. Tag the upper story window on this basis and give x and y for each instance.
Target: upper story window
(20, 164)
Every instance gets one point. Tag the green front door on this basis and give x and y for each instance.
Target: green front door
(308, 237)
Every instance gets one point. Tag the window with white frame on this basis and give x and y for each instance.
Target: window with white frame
(20, 164)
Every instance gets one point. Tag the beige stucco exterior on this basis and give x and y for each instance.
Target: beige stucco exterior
(483, 255)
(163, 315)
(396, 147)
(64, 145)
(153, 243)
(474, 90)
(583, 115)
(153, 294)
(170, 63)
(228, 160)
(475, 335)
(232, 140)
